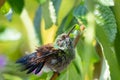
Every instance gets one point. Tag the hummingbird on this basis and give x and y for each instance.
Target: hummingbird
(55, 56)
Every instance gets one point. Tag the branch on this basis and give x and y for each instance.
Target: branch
(55, 75)
(82, 28)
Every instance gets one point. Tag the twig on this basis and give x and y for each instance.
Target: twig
(82, 28)
(76, 40)
(55, 75)
(71, 30)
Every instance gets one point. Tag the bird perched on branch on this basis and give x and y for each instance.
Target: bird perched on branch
(54, 56)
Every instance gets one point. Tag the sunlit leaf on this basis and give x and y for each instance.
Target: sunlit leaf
(108, 52)
(106, 19)
(5, 8)
(77, 27)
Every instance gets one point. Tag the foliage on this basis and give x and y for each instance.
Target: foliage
(26, 24)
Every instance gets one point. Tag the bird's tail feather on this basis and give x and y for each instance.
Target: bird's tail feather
(27, 64)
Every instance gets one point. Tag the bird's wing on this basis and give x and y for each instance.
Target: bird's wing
(36, 60)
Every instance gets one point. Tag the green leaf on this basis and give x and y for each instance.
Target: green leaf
(116, 9)
(80, 13)
(37, 20)
(66, 24)
(117, 46)
(108, 53)
(106, 19)
(17, 5)
(78, 64)
(48, 13)
(5, 8)
(69, 21)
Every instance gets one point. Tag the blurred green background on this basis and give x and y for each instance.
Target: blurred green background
(28, 24)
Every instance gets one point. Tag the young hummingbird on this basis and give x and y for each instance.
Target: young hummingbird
(56, 56)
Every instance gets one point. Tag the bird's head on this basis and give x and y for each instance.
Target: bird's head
(63, 41)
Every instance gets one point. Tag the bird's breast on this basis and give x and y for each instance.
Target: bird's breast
(58, 61)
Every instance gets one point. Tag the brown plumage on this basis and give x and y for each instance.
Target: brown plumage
(38, 59)
(55, 59)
